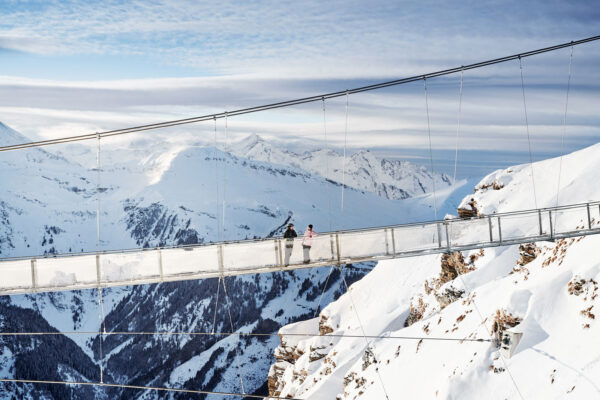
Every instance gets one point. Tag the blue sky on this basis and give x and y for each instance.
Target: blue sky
(72, 67)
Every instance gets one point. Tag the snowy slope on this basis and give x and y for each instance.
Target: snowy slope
(553, 297)
(391, 179)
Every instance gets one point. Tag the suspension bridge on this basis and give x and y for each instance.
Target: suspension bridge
(165, 264)
(120, 267)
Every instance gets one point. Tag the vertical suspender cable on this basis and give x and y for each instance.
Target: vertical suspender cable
(430, 150)
(344, 166)
(218, 216)
(216, 305)
(225, 177)
(457, 130)
(100, 305)
(562, 141)
(327, 162)
(527, 129)
(238, 336)
(362, 329)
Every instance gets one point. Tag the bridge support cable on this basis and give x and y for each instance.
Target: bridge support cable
(226, 147)
(341, 228)
(527, 130)
(430, 149)
(327, 163)
(135, 387)
(216, 305)
(101, 315)
(218, 215)
(364, 335)
(564, 130)
(460, 94)
(304, 100)
(483, 322)
(237, 343)
(242, 334)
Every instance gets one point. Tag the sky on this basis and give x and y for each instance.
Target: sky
(76, 67)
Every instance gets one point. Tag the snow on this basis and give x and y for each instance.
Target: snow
(558, 356)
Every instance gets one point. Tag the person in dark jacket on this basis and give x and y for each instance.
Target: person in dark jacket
(288, 237)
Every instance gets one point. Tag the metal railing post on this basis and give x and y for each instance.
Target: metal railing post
(439, 234)
(337, 245)
(551, 227)
(333, 251)
(280, 253)
(98, 269)
(490, 226)
(393, 242)
(587, 206)
(387, 244)
(33, 274)
(221, 266)
(277, 259)
(499, 230)
(160, 266)
(447, 237)
(540, 221)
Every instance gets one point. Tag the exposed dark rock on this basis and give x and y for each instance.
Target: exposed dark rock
(470, 211)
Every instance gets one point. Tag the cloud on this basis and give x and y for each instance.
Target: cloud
(303, 39)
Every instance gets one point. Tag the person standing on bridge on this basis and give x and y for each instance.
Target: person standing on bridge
(307, 242)
(289, 236)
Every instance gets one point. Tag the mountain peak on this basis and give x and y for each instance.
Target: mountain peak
(9, 136)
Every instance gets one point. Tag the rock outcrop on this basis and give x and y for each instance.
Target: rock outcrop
(470, 212)
(527, 253)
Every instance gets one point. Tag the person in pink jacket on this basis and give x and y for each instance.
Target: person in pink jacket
(307, 242)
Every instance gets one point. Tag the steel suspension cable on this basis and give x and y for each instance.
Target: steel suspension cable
(224, 178)
(528, 136)
(364, 335)
(101, 315)
(288, 103)
(216, 305)
(155, 388)
(218, 216)
(564, 130)
(344, 166)
(430, 149)
(460, 93)
(327, 164)
(237, 356)
(483, 320)
(240, 334)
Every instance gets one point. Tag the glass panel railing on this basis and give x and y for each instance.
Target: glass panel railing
(520, 226)
(248, 255)
(66, 271)
(15, 275)
(364, 244)
(595, 215)
(190, 260)
(126, 267)
(570, 219)
(322, 249)
(469, 232)
(418, 237)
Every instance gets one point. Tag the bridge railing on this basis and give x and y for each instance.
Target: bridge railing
(137, 266)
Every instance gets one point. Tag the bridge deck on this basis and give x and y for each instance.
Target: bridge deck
(141, 266)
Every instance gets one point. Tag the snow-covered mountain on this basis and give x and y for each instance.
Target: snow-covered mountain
(153, 194)
(432, 309)
(392, 179)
